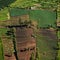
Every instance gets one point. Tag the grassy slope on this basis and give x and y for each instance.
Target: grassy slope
(3, 14)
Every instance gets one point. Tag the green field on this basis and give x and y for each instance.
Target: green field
(3, 14)
(46, 47)
(44, 18)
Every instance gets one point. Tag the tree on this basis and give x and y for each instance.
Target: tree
(52, 4)
(5, 3)
(29, 3)
(37, 54)
(23, 3)
(32, 56)
(1, 50)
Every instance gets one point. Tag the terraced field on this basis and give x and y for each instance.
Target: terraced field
(5, 45)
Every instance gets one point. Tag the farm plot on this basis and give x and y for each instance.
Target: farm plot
(47, 42)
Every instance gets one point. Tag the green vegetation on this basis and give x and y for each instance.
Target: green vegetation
(44, 18)
(37, 54)
(58, 33)
(46, 47)
(5, 3)
(45, 4)
(32, 56)
(58, 51)
(1, 46)
(7, 46)
(1, 50)
(28, 3)
(22, 3)
(3, 14)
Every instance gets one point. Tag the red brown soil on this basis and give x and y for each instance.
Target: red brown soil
(24, 40)
(49, 33)
(10, 57)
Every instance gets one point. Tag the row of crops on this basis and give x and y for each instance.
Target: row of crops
(46, 45)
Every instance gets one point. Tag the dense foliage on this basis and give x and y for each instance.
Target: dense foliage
(29, 3)
(5, 3)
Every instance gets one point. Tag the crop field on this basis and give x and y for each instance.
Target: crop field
(1, 51)
(43, 17)
(46, 38)
(47, 42)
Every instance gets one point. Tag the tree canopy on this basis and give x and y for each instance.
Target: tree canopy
(29, 3)
(5, 3)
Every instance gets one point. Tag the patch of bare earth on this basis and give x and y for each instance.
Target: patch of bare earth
(10, 57)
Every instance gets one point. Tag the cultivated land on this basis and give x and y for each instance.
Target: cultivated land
(47, 42)
(46, 38)
(7, 47)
